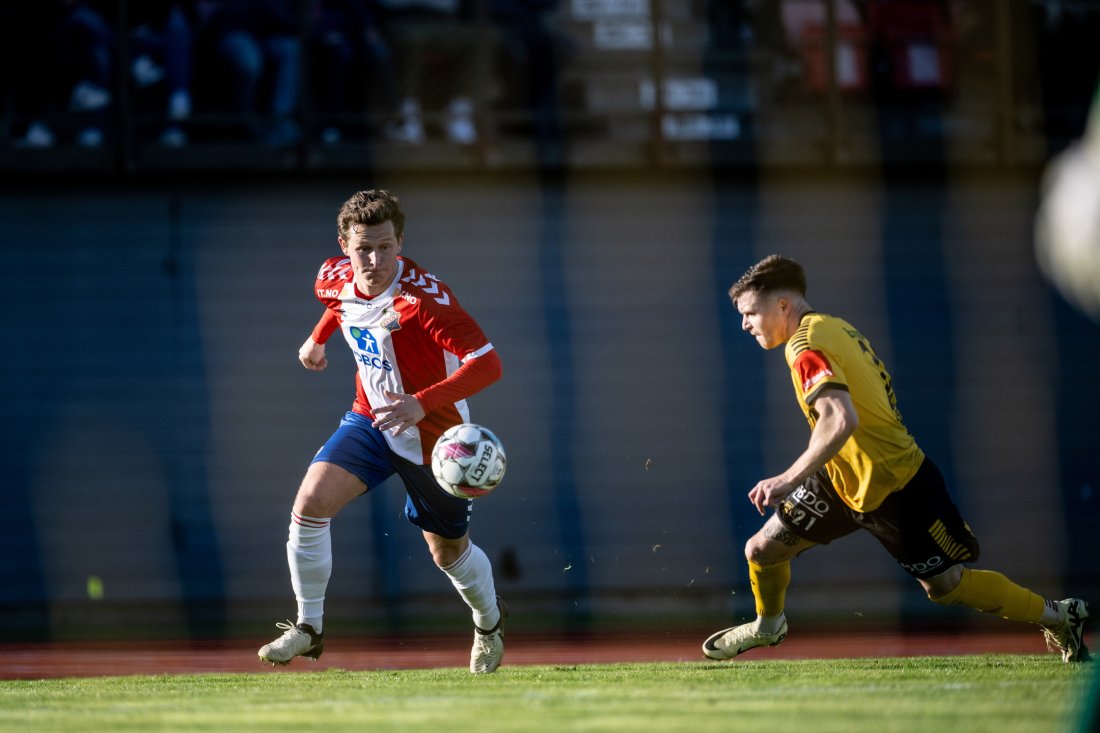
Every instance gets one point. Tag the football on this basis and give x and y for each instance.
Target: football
(1067, 223)
(468, 461)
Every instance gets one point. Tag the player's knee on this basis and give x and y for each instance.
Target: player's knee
(759, 550)
(773, 544)
(446, 552)
(752, 551)
(311, 500)
(325, 490)
(944, 588)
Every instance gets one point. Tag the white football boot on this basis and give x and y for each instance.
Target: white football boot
(728, 643)
(298, 640)
(488, 647)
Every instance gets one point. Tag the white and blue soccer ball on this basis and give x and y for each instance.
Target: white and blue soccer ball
(468, 461)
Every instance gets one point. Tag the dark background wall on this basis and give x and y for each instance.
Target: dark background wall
(156, 421)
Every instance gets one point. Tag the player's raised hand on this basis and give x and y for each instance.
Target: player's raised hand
(400, 413)
(312, 355)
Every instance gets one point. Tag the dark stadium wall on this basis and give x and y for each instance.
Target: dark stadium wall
(157, 422)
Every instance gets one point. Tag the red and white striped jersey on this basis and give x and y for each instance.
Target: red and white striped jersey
(409, 338)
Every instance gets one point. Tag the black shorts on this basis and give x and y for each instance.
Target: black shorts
(918, 525)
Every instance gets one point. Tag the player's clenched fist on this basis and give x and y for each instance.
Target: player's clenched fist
(312, 355)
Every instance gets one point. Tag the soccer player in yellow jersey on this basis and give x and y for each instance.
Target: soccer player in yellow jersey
(860, 470)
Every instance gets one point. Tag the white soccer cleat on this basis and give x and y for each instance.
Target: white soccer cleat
(488, 647)
(298, 640)
(728, 643)
(1068, 637)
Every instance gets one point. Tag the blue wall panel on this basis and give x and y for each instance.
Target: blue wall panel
(157, 423)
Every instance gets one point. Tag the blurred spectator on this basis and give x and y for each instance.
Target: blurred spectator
(160, 51)
(30, 81)
(776, 61)
(251, 52)
(85, 44)
(57, 62)
(443, 55)
(1066, 74)
(352, 65)
(70, 48)
(911, 47)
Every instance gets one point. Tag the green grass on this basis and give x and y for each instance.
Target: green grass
(1002, 693)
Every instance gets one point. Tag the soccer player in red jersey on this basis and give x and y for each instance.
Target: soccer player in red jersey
(860, 470)
(419, 355)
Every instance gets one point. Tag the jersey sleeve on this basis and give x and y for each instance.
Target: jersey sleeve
(815, 372)
(473, 376)
(448, 323)
(325, 327)
(448, 326)
(331, 279)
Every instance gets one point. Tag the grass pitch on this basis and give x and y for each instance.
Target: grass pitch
(1002, 693)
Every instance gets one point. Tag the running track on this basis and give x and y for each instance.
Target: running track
(92, 659)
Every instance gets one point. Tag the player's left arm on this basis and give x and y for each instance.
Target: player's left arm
(402, 411)
(453, 329)
(836, 421)
(478, 370)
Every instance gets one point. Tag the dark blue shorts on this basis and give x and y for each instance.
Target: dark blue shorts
(362, 450)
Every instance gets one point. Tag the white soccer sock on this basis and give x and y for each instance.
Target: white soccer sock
(769, 624)
(472, 576)
(309, 555)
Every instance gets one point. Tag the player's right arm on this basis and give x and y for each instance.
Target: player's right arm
(312, 352)
(837, 420)
(329, 281)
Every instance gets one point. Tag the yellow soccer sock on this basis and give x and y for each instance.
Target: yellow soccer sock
(990, 592)
(769, 586)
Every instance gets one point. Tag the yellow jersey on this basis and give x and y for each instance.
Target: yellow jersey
(880, 457)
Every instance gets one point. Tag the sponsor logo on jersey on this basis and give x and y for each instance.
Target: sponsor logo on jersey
(365, 340)
(328, 293)
(373, 362)
(369, 354)
(812, 366)
(809, 382)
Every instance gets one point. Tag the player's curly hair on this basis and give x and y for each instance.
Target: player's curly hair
(370, 208)
(772, 273)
